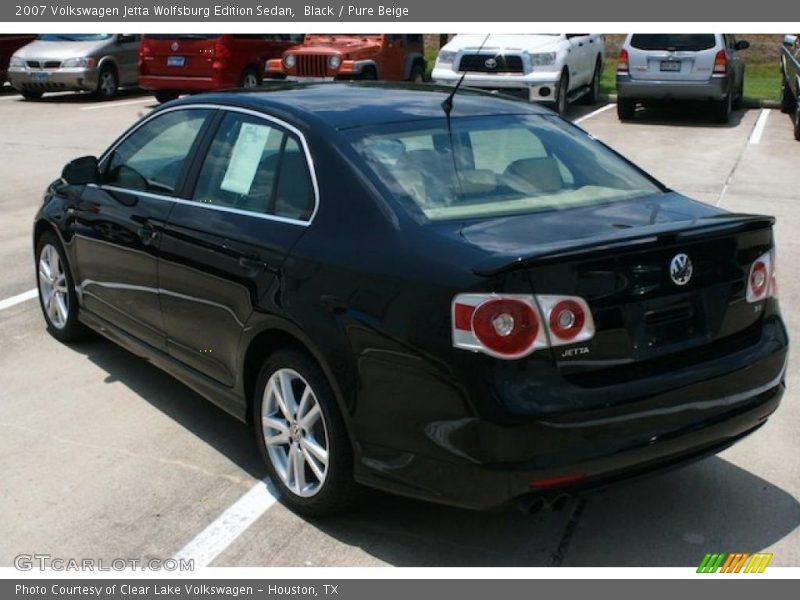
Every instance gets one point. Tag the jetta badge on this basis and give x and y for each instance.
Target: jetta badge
(174, 46)
(490, 63)
(680, 269)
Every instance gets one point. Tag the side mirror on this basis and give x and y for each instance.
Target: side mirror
(81, 171)
(742, 45)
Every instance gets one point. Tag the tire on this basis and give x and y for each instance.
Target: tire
(562, 100)
(57, 297)
(369, 74)
(738, 101)
(723, 108)
(417, 74)
(29, 95)
(165, 96)
(107, 83)
(626, 109)
(328, 488)
(593, 97)
(250, 78)
(797, 123)
(787, 100)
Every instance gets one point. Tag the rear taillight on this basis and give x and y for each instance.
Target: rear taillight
(622, 62)
(720, 64)
(761, 282)
(145, 49)
(514, 325)
(221, 53)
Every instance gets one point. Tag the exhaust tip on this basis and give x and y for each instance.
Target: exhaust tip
(559, 502)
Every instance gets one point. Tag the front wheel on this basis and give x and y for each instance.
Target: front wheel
(593, 97)
(57, 297)
(107, 83)
(417, 74)
(562, 101)
(301, 436)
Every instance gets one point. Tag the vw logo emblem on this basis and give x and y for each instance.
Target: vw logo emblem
(174, 46)
(680, 269)
(490, 63)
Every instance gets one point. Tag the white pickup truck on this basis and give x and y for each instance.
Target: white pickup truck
(556, 68)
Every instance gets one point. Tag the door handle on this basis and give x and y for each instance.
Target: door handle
(252, 264)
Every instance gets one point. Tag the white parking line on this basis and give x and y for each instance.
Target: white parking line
(210, 542)
(758, 130)
(116, 104)
(594, 112)
(14, 300)
(49, 95)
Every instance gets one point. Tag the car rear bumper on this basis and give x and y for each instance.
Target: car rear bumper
(715, 88)
(184, 83)
(492, 463)
(53, 80)
(536, 86)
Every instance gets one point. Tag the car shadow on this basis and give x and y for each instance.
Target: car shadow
(666, 520)
(87, 97)
(685, 115)
(209, 423)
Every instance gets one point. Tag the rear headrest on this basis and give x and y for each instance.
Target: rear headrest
(535, 175)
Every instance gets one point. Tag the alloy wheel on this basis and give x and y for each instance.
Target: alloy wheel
(53, 287)
(108, 84)
(295, 433)
(250, 80)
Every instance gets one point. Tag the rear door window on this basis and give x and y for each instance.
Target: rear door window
(685, 42)
(255, 165)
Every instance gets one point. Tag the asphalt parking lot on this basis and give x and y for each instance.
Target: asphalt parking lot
(104, 456)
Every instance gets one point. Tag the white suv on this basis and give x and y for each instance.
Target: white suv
(557, 68)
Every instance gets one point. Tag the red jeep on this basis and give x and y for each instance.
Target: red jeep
(173, 64)
(392, 57)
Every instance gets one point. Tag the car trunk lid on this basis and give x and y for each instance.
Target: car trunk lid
(186, 55)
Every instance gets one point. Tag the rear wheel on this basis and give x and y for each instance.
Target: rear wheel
(57, 297)
(250, 78)
(369, 74)
(626, 109)
(107, 83)
(787, 100)
(723, 108)
(593, 97)
(30, 95)
(301, 436)
(417, 74)
(166, 96)
(562, 100)
(797, 123)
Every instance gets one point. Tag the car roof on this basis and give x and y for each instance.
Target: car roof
(356, 104)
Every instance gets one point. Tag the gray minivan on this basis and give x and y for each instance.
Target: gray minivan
(680, 66)
(93, 62)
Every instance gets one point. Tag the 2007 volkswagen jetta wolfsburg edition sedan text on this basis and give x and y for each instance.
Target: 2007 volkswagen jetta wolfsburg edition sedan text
(459, 298)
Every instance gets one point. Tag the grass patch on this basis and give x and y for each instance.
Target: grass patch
(762, 81)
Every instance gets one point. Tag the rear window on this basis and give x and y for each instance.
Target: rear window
(674, 41)
(485, 167)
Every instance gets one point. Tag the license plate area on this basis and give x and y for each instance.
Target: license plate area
(40, 76)
(671, 66)
(176, 61)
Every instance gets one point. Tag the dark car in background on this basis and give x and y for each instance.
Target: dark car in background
(174, 64)
(10, 43)
(472, 302)
(790, 80)
(658, 67)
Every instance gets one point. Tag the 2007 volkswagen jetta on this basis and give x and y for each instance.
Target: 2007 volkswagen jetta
(460, 298)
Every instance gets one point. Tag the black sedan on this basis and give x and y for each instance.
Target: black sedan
(465, 300)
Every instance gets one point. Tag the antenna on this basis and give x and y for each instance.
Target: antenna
(447, 103)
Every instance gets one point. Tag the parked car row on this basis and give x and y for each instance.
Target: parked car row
(173, 64)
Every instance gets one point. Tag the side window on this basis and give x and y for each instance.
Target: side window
(152, 158)
(253, 165)
(294, 196)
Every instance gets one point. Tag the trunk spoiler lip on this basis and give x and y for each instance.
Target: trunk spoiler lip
(627, 238)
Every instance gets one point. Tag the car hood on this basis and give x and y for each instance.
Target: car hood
(504, 42)
(520, 235)
(59, 50)
(347, 44)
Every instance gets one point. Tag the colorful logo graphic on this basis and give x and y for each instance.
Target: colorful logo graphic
(738, 562)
